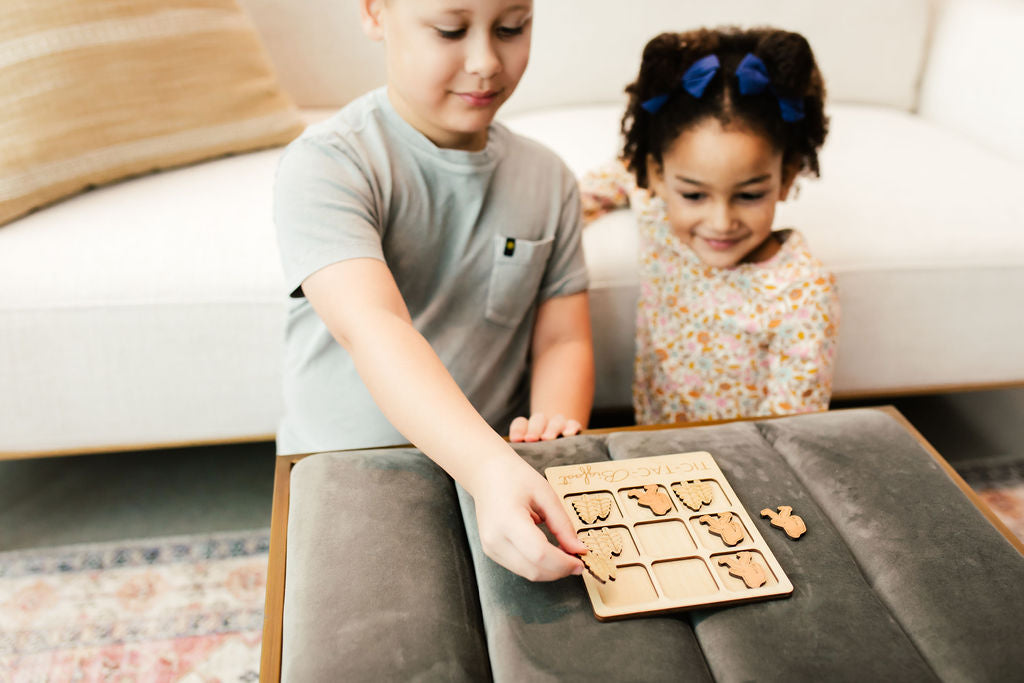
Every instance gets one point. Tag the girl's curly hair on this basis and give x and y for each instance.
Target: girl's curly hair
(666, 58)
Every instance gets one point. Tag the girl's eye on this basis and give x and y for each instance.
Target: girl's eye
(511, 31)
(751, 196)
(450, 33)
(692, 196)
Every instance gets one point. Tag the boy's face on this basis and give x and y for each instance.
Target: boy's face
(451, 63)
(720, 186)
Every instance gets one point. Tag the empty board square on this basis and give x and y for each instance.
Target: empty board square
(685, 578)
(632, 586)
(664, 538)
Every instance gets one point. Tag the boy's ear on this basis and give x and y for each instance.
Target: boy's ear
(370, 17)
(655, 176)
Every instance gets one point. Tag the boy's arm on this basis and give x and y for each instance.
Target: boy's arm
(360, 303)
(605, 189)
(803, 350)
(562, 374)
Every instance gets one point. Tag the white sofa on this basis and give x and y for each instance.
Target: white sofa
(151, 312)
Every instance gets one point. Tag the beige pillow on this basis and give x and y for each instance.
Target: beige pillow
(96, 90)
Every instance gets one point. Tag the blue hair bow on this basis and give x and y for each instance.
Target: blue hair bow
(695, 81)
(753, 79)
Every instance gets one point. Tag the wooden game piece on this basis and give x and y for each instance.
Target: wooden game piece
(592, 507)
(654, 498)
(726, 526)
(605, 542)
(792, 524)
(694, 494)
(601, 567)
(743, 566)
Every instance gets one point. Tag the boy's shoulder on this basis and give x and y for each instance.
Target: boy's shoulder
(532, 151)
(348, 124)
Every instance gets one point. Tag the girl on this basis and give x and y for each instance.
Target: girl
(734, 320)
(429, 303)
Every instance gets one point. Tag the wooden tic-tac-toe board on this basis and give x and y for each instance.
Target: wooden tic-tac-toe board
(665, 533)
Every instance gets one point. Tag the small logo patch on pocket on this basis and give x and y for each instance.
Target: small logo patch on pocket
(510, 246)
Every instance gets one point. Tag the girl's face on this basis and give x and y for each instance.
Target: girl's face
(451, 63)
(720, 186)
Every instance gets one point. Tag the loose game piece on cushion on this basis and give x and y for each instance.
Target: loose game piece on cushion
(694, 494)
(743, 566)
(785, 519)
(652, 497)
(593, 507)
(726, 526)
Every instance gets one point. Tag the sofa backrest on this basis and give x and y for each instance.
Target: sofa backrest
(586, 51)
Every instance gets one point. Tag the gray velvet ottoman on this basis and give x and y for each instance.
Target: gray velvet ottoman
(376, 572)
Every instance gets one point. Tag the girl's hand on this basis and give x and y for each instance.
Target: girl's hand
(511, 500)
(540, 428)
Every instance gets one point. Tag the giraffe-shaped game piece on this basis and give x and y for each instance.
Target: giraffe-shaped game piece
(785, 519)
(592, 507)
(724, 525)
(694, 494)
(652, 497)
(743, 566)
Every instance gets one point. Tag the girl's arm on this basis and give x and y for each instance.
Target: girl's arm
(605, 188)
(562, 374)
(360, 303)
(803, 351)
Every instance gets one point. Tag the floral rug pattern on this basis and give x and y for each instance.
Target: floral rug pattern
(186, 608)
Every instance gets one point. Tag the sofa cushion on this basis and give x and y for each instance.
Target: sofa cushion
(96, 91)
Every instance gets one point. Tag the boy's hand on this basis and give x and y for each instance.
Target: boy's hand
(540, 428)
(511, 499)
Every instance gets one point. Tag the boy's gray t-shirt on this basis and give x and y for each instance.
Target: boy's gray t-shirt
(475, 241)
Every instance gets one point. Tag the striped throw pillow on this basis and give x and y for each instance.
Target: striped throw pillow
(92, 91)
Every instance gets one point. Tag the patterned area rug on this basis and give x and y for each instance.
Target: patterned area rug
(186, 608)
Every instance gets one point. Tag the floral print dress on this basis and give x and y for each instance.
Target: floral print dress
(752, 340)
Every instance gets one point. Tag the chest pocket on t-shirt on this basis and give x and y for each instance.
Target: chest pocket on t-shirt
(515, 279)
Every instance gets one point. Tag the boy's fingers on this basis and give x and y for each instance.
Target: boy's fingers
(554, 428)
(572, 427)
(535, 427)
(558, 524)
(517, 430)
(541, 560)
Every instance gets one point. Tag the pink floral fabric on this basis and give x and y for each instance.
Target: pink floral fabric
(753, 340)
